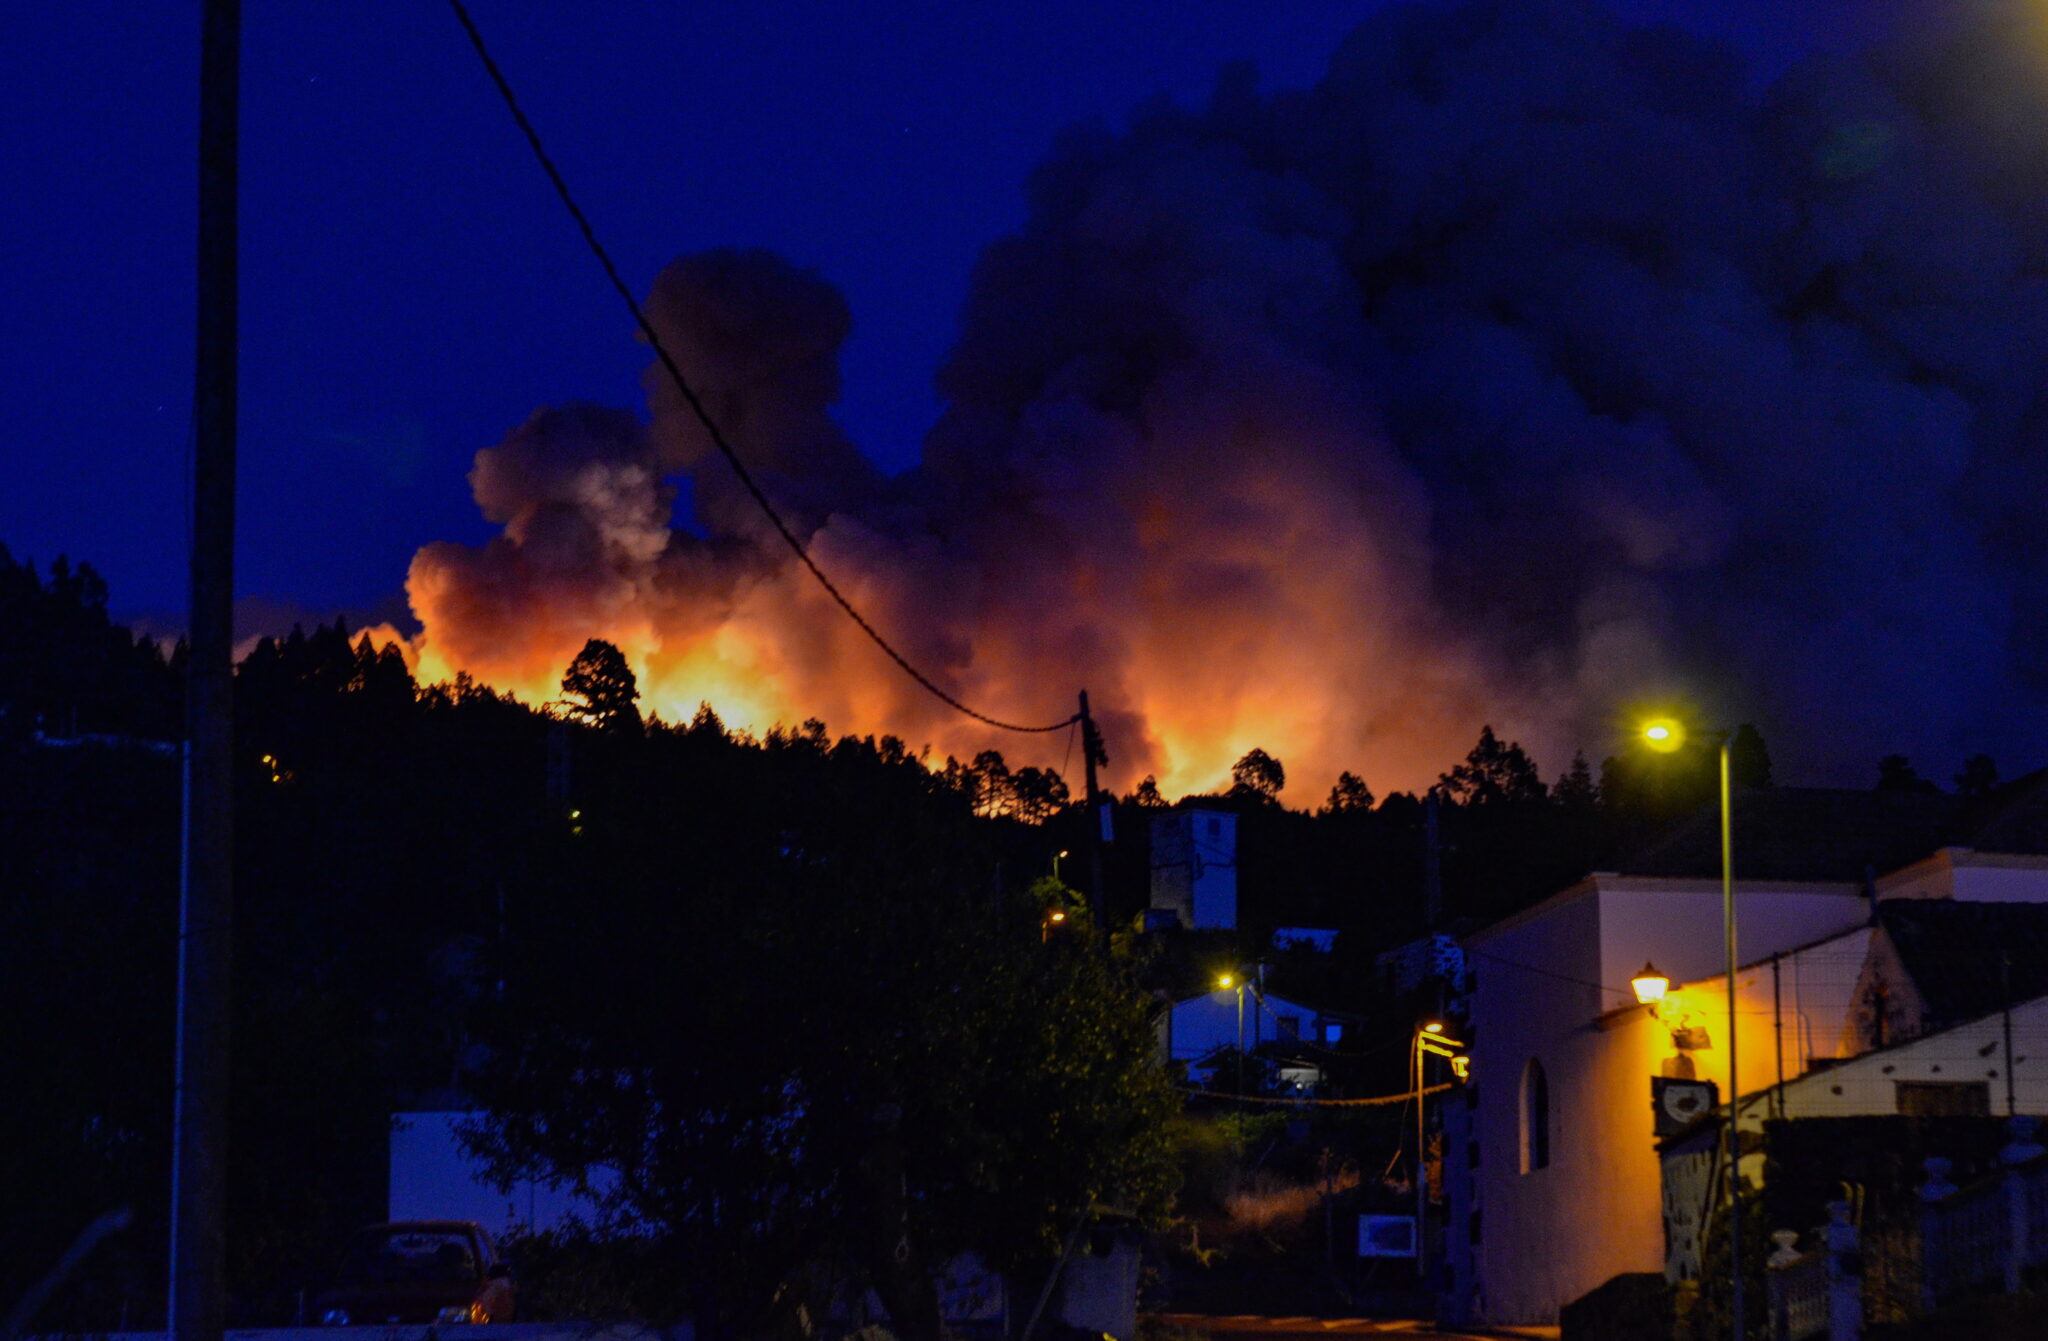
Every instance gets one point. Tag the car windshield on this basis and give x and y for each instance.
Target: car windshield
(393, 1256)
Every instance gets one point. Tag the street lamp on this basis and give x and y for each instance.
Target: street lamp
(1430, 1040)
(1649, 985)
(1665, 735)
(1226, 982)
(1056, 862)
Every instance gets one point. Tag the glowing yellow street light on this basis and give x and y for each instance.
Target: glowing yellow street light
(1650, 985)
(1665, 735)
(1433, 1027)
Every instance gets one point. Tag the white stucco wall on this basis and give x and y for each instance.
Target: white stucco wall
(1549, 1235)
(1677, 923)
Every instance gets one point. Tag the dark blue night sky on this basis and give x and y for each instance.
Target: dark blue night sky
(411, 289)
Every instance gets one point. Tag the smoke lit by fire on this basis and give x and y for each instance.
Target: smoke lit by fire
(1527, 365)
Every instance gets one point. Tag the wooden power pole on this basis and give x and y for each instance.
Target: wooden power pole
(206, 894)
(1093, 754)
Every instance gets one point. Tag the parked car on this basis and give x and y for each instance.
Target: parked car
(414, 1271)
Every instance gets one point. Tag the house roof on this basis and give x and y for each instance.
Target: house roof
(1969, 959)
(1829, 833)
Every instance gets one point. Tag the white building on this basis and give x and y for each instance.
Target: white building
(1198, 1028)
(1559, 1187)
(1194, 866)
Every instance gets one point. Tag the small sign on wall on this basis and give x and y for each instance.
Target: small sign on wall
(1679, 1103)
(1386, 1236)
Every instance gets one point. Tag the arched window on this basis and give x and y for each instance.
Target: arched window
(1535, 1117)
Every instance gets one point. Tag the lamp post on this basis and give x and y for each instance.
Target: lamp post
(1226, 982)
(1665, 736)
(1056, 862)
(1429, 1040)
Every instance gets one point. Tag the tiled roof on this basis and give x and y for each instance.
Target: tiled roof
(1803, 833)
(1819, 833)
(1969, 959)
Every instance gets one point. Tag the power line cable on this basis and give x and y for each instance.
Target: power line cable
(1406, 1096)
(696, 405)
(1548, 973)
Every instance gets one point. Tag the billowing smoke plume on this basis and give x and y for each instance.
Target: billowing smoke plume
(1529, 366)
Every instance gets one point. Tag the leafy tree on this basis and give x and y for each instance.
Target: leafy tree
(1575, 790)
(839, 887)
(1978, 777)
(1494, 773)
(1258, 776)
(1749, 759)
(1349, 794)
(1038, 794)
(66, 669)
(1895, 773)
(599, 688)
(993, 789)
(1147, 795)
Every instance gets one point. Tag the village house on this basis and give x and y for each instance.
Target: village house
(1553, 1179)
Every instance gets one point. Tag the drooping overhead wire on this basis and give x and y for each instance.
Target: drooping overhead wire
(1377, 1101)
(696, 405)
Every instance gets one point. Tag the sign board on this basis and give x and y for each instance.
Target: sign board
(1679, 1103)
(1386, 1236)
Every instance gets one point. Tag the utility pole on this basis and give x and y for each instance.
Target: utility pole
(206, 893)
(1778, 1032)
(1738, 1320)
(1432, 863)
(1093, 754)
(2005, 995)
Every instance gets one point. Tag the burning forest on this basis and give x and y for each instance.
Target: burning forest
(1527, 366)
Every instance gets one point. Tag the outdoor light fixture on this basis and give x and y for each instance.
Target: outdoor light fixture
(1226, 982)
(1650, 985)
(1433, 1027)
(1058, 916)
(1664, 734)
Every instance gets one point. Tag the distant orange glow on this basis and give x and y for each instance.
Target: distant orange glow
(1230, 591)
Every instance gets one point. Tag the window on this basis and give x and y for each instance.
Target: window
(1944, 1098)
(1535, 1117)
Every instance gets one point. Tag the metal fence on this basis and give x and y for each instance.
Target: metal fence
(1963, 1241)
